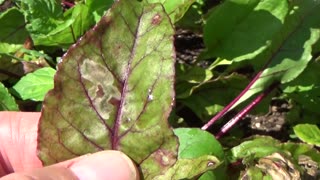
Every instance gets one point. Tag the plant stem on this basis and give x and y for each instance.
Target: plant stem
(245, 110)
(68, 4)
(229, 106)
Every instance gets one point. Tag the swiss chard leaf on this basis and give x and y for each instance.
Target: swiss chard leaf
(114, 90)
(283, 45)
(253, 23)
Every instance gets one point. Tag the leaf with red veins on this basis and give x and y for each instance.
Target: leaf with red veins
(114, 90)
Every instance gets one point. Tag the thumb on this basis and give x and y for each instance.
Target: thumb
(101, 165)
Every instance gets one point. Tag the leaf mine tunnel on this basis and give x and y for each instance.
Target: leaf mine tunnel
(114, 90)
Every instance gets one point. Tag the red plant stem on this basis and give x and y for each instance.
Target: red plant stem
(235, 100)
(244, 111)
(68, 4)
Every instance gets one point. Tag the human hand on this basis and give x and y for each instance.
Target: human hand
(18, 159)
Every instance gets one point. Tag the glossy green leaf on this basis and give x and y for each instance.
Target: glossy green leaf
(308, 133)
(115, 93)
(277, 33)
(35, 85)
(194, 143)
(294, 50)
(247, 32)
(175, 9)
(7, 102)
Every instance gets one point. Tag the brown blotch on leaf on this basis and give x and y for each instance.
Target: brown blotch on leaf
(156, 19)
(165, 157)
(100, 92)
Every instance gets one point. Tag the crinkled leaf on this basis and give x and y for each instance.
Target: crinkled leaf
(44, 16)
(35, 85)
(115, 93)
(272, 157)
(262, 146)
(258, 147)
(50, 26)
(7, 102)
(284, 43)
(176, 9)
(308, 133)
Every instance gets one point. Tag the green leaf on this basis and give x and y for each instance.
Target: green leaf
(7, 102)
(194, 143)
(272, 157)
(305, 90)
(258, 147)
(49, 26)
(12, 31)
(247, 32)
(308, 133)
(115, 93)
(298, 149)
(255, 173)
(45, 17)
(35, 85)
(175, 9)
(189, 78)
(190, 168)
(97, 8)
(276, 35)
(206, 98)
(274, 166)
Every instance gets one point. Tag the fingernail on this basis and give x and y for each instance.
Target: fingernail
(105, 165)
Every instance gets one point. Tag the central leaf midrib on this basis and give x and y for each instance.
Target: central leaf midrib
(114, 135)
